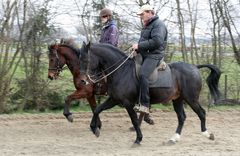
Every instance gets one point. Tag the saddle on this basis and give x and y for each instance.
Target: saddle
(161, 76)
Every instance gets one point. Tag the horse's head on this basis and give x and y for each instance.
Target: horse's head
(88, 64)
(97, 60)
(56, 61)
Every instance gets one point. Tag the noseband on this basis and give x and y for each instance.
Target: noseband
(57, 68)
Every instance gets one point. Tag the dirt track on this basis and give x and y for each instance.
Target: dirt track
(51, 134)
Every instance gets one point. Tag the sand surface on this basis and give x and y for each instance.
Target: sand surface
(53, 135)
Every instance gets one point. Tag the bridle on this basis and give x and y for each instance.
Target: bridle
(57, 68)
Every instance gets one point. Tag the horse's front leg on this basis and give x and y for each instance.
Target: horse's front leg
(93, 105)
(66, 111)
(109, 103)
(74, 96)
(135, 122)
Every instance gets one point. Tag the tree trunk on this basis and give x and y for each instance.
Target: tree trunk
(193, 21)
(181, 32)
(227, 20)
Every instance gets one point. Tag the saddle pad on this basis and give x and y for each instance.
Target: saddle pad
(164, 79)
(159, 78)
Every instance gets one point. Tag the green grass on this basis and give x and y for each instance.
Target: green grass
(225, 107)
(64, 85)
(167, 107)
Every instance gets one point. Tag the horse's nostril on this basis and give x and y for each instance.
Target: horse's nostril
(50, 77)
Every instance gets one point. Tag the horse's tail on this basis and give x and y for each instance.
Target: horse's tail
(212, 80)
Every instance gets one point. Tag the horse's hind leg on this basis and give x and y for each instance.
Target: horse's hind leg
(179, 109)
(195, 105)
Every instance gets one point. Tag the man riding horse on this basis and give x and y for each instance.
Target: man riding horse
(109, 34)
(151, 46)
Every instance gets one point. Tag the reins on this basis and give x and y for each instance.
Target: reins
(105, 76)
(113, 64)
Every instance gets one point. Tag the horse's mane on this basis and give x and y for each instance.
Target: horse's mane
(76, 50)
(70, 43)
(73, 47)
(110, 48)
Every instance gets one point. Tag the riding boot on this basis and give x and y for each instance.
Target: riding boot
(147, 68)
(144, 96)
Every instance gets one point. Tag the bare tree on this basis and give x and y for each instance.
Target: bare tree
(6, 61)
(215, 28)
(22, 35)
(193, 10)
(224, 6)
(181, 32)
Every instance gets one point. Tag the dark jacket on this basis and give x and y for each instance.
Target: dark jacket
(109, 34)
(153, 39)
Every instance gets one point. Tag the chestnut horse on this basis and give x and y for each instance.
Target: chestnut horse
(123, 86)
(67, 53)
(61, 54)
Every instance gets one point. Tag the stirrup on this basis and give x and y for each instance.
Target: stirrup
(141, 108)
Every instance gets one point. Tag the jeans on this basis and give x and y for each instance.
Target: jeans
(146, 70)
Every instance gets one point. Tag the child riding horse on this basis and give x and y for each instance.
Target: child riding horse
(67, 53)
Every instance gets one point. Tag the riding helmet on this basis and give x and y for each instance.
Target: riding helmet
(106, 12)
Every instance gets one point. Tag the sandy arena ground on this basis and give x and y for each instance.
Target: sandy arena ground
(51, 134)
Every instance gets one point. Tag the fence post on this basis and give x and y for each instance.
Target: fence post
(225, 87)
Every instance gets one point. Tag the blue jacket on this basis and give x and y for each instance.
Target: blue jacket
(109, 34)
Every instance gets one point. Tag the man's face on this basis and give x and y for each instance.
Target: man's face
(146, 15)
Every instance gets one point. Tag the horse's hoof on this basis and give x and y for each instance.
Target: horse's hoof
(132, 129)
(211, 137)
(97, 132)
(70, 118)
(136, 144)
(169, 143)
(99, 125)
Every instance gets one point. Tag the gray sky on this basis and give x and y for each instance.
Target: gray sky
(70, 19)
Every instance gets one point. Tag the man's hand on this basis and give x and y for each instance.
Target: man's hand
(135, 47)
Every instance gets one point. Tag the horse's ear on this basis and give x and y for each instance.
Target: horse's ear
(48, 47)
(61, 41)
(89, 44)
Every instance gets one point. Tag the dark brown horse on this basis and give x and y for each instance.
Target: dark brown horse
(123, 86)
(66, 53)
